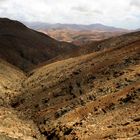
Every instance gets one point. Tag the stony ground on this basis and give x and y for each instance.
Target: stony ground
(94, 96)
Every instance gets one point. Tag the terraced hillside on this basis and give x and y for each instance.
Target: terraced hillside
(79, 97)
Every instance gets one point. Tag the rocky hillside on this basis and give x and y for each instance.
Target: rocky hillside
(10, 81)
(11, 126)
(97, 46)
(75, 98)
(79, 97)
(26, 48)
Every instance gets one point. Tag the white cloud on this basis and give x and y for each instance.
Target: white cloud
(123, 13)
(135, 3)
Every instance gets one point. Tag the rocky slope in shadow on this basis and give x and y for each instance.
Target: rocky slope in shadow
(26, 48)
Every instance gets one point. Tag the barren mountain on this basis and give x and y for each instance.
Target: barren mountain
(96, 46)
(80, 37)
(92, 96)
(25, 48)
(95, 27)
(76, 33)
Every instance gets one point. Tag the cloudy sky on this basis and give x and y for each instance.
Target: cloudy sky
(119, 13)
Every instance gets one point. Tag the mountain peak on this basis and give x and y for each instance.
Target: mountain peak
(4, 22)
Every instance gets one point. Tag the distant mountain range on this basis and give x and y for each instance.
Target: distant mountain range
(77, 33)
(95, 27)
(138, 29)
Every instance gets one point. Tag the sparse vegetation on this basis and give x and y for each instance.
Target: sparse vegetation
(75, 98)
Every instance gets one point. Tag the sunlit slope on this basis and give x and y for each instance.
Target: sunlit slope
(62, 94)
